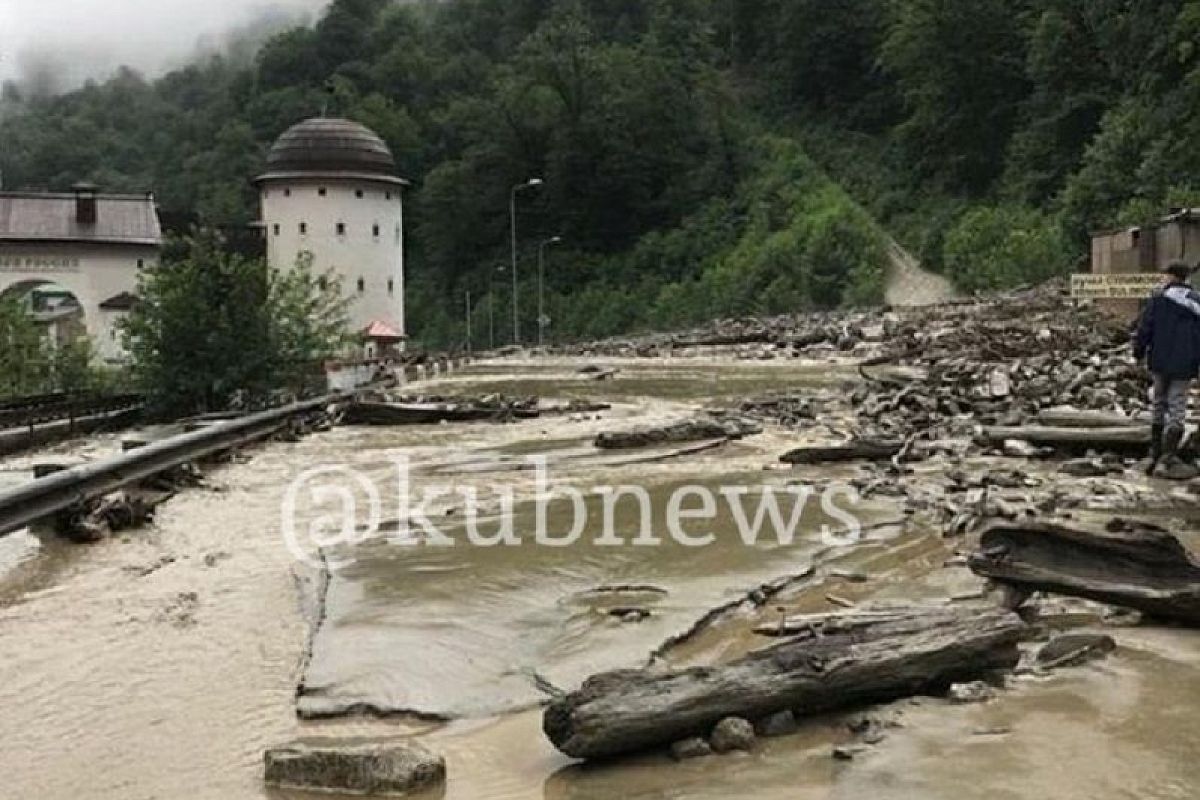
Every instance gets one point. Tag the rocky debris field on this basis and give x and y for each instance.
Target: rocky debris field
(1015, 422)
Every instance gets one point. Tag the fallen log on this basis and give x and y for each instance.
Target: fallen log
(857, 450)
(691, 430)
(1127, 439)
(1144, 568)
(622, 712)
(371, 413)
(1074, 418)
(858, 622)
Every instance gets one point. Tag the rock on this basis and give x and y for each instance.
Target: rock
(365, 766)
(732, 733)
(694, 747)
(1085, 468)
(847, 752)
(973, 692)
(1018, 448)
(1070, 649)
(782, 723)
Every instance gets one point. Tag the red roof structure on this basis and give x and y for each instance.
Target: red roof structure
(382, 332)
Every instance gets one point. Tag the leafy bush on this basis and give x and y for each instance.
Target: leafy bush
(994, 247)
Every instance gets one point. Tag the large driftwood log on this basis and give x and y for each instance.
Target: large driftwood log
(1143, 568)
(689, 430)
(926, 650)
(1075, 418)
(1128, 439)
(857, 450)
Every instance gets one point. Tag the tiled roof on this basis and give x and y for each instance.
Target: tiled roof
(36, 217)
(381, 330)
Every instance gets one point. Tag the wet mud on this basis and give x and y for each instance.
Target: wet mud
(162, 663)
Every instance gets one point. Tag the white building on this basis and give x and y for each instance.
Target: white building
(331, 191)
(90, 244)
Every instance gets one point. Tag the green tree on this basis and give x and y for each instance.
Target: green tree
(24, 354)
(1004, 246)
(960, 69)
(213, 327)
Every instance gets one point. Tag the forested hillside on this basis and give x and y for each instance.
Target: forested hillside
(701, 157)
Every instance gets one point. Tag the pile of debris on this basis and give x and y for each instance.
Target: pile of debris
(1005, 362)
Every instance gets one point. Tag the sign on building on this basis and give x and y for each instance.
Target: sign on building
(1115, 286)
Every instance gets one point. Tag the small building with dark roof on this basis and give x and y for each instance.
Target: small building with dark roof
(90, 243)
(330, 195)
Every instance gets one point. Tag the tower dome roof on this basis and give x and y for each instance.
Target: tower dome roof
(324, 146)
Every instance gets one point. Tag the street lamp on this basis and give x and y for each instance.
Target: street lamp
(492, 306)
(469, 349)
(512, 215)
(542, 321)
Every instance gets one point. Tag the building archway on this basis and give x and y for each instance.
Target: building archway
(89, 244)
(57, 311)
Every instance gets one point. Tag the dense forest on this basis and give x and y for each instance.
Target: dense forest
(700, 157)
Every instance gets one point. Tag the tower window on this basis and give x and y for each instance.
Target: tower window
(303, 228)
(375, 230)
(341, 229)
(321, 191)
(362, 285)
(358, 193)
(388, 195)
(275, 227)
(391, 286)
(141, 263)
(287, 192)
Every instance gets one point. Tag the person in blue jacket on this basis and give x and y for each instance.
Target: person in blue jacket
(1168, 337)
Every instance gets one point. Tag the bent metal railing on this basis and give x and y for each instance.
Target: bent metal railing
(39, 498)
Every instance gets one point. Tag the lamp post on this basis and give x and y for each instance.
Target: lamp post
(541, 320)
(512, 215)
(469, 350)
(491, 299)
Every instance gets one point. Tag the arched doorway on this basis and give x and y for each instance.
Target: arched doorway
(55, 309)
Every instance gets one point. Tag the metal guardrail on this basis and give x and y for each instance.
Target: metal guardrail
(23, 412)
(44, 496)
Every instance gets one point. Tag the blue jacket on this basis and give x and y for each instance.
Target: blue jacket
(1169, 332)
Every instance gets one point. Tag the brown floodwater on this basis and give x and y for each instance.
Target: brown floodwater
(161, 663)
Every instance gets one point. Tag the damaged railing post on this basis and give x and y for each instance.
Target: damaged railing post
(42, 497)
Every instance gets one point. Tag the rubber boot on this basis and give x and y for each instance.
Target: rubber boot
(1156, 446)
(1173, 466)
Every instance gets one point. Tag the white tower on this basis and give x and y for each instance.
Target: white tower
(331, 190)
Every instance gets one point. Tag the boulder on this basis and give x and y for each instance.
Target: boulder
(732, 733)
(973, 692)
(695, 747)
(781, 723)
(373, 767)
(1069, 649)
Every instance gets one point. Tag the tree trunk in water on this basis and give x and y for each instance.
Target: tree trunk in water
(926, 649)
(857, 450)
(1144, 568)
(1132, 439)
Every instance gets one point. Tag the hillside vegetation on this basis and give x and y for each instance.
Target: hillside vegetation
(701, 157)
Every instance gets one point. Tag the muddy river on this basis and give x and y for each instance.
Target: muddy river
(161, 663)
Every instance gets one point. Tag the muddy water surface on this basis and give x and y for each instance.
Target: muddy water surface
(160, 664)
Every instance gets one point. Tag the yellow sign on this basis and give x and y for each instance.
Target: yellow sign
(1136, 285)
